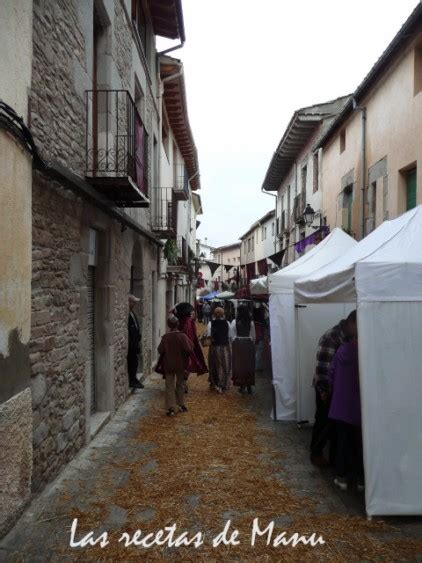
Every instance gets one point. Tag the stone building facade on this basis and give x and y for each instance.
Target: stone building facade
(85, 206)
(79, 324)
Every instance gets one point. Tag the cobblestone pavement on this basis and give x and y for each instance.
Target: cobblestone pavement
(123, 481)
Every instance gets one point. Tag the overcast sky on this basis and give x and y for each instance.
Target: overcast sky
(248, 66)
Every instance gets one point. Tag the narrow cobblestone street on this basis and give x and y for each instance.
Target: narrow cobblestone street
(223, 460)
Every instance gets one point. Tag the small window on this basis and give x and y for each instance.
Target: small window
(272, 228)
(140, 22)
(304, 177)
(343, 141)
(165, 136)
(418, 70)
(411, 189)
(316, 173)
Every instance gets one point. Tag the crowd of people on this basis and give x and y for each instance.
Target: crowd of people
(231, 358)
(338, 411)
(235, 341)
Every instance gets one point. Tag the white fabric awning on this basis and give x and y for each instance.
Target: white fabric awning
(259, 286)
(335, 282)
(394, 271)
(334, 245)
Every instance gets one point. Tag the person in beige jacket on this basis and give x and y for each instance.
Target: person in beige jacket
(174, 350)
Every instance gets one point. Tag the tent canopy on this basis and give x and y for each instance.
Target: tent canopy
(259, 286)
(330, 248)
(394, 271)
(224, 295)
(335, 282)
(210, 296)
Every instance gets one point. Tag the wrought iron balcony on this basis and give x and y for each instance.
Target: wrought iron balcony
(181, 262)
(181, 182)
(164, 213)
(116, 148)
(299, 208)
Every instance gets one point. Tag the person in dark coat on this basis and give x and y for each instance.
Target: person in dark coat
(134, 348)
(242, 336)
(328, 345)
(175, 349)
(219, 357)
(183, 312)
(345, 410)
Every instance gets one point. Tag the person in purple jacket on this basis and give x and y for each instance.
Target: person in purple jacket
(346, 412)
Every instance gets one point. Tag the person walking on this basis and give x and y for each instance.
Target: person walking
(345, 410)
(323, 430)
(206, 311)
(242, 336)
(197, 364)
(219, 357)
(174, 350)
(134, 348)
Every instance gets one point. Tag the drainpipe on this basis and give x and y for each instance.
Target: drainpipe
(363, 167)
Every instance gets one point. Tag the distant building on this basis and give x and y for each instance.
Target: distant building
(257, 245)
(227, 274)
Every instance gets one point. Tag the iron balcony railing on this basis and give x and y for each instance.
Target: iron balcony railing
(181, 181)
(181, 258)
(164, 212)
(116, 146)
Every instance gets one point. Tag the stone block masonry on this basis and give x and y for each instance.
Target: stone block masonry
(57, 110)
(59, 354)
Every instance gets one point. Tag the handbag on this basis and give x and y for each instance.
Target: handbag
(206, 341)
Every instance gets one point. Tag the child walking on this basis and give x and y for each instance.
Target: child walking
(174, 350)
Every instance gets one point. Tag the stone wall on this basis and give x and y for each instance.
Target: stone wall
(58, 351)
(57, 108)
(56, 363)
(122, 51)
(15, 457)
(62, 72)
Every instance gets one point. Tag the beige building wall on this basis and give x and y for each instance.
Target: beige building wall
(227, 256)
(393, 146)
(15, 268)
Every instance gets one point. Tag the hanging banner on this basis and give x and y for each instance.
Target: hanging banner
(277, 258)
(213, 266)
(314, 238)
(228, 268)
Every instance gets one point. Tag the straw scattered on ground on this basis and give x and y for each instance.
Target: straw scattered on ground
(213, 464)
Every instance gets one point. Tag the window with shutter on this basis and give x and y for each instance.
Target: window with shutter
(411, 189)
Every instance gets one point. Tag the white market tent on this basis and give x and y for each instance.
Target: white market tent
(384, 275)
(283, 328)
(259, 286)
